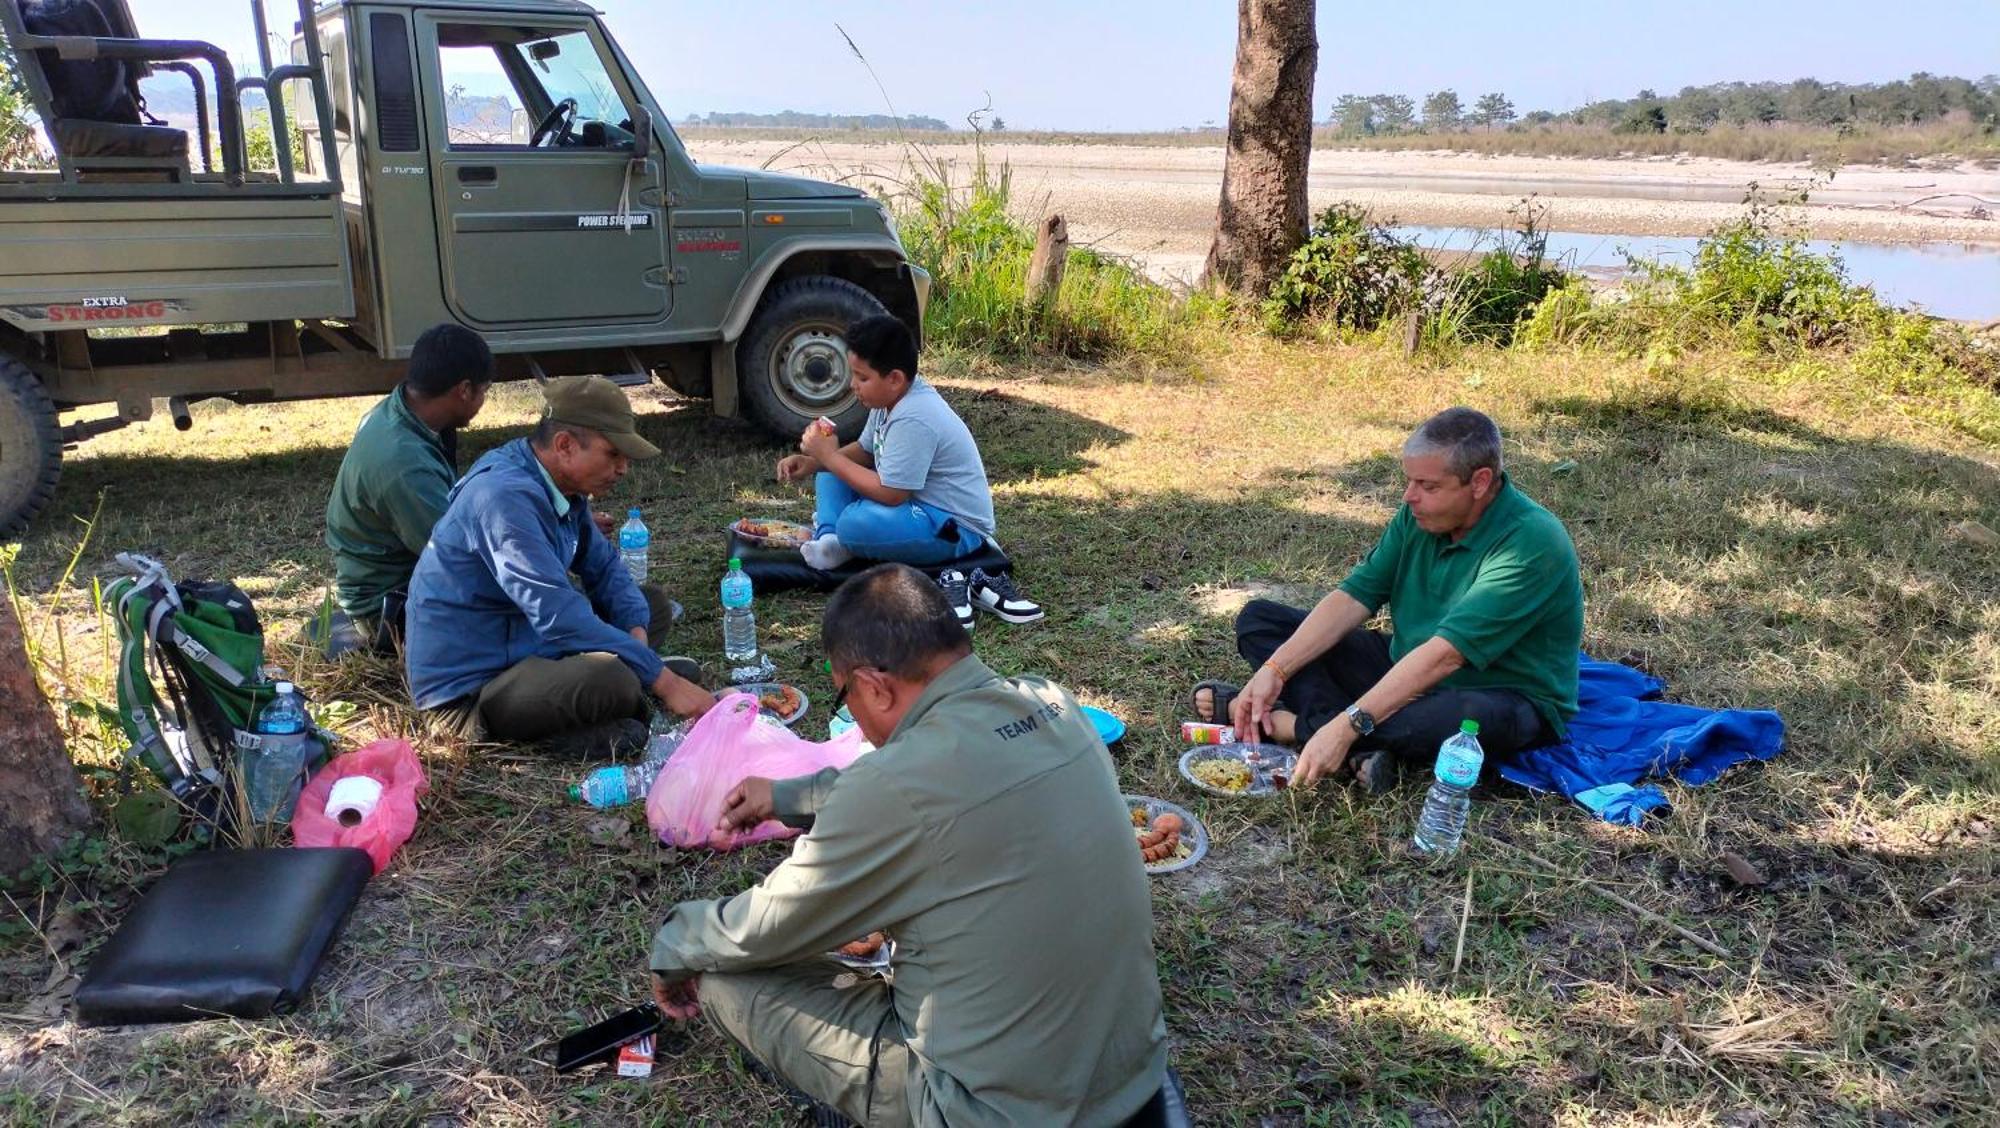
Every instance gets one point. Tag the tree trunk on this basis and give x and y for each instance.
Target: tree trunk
(1262, 218)
(44, 798)
(1045, 268)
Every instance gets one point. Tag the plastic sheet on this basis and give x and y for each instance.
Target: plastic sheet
(727, 746)
(393, 764)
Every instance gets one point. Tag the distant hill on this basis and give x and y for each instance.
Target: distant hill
(793, 119)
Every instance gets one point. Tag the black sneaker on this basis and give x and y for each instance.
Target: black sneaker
(998, 595)
(683, 666)
(957, 592)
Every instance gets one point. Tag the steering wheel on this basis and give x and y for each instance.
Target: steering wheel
(562, 115)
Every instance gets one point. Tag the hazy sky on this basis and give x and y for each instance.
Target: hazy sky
(1159, 64)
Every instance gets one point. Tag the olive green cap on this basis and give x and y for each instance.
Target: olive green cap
(601, 406)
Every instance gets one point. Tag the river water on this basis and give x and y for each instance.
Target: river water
(1955, 280)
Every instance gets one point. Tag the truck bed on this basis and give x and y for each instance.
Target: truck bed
(102, 263)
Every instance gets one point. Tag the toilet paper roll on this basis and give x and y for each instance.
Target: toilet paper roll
(353, 799)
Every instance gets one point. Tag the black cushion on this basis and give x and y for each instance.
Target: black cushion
(225, 932)
(100, 89)
(75, 137)
(783, 569)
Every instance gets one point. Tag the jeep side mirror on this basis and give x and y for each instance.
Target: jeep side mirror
(642, 134)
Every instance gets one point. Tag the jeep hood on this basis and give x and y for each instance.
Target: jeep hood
(763, 185)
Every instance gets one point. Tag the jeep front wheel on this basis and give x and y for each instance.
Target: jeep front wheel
(30, 447)
(792, 362)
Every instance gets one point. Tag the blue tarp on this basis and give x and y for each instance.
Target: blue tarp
(1623, 734)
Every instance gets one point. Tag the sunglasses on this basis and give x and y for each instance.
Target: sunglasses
(840, 691)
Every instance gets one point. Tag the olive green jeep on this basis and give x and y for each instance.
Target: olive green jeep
(498, 163)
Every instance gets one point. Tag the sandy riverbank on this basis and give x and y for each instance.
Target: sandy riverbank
(1159, 203)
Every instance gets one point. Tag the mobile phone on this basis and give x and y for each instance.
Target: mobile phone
(600, 1042)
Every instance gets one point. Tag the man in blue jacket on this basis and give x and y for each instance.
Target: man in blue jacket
(501, 643)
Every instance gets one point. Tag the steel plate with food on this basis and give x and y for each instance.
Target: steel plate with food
(1169, 837)
(770, 532)
(872, 953)
(1257, 770)
(787, 703)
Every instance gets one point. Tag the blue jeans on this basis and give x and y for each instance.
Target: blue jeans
(913, 532)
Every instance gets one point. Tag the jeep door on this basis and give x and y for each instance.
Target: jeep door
(543, 216)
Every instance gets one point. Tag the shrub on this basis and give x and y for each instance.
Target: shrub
(1567, 315)
(978, 255)
(1350, 273)
(1488, 300)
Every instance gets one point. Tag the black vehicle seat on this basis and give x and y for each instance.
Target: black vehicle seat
(98, 112)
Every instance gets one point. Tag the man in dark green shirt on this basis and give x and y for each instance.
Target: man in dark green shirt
(393, 481)
(1486, 605)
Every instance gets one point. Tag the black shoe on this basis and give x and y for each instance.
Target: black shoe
(958, 592)
(618, 740)
(998, 595)
(1377, 772)
(683, 666)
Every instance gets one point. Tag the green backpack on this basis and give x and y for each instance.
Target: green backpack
(191, 681)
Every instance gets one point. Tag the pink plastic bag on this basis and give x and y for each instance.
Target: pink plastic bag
(391, 763)
(727, 746)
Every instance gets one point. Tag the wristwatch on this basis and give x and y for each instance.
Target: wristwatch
(1359, 718)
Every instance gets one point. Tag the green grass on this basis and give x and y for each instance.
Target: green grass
(1755, 538)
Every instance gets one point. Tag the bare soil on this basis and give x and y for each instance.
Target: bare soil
(1158, 203)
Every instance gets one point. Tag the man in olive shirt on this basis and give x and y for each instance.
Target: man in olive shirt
(393, 481)
(1487, 608)
(985, 835)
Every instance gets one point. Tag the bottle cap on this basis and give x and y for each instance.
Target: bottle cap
(576, 792)
(284, 688)
(632, 512)
(1469, 727)
(736, 563)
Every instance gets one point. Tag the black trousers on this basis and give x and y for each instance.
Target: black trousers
(1320, 691)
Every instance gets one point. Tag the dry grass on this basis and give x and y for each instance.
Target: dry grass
(1755, 542)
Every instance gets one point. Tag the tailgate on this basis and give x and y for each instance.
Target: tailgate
(91, 264)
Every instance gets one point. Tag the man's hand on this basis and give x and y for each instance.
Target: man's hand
(1251, 711)
(678, 999)
(1325, 753)
(606, 524)
(640, 634)
(797, 467)
(748, 804)
(681, 696)
(818, 443)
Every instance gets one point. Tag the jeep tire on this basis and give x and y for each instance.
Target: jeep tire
(791, 366)
(30, 447)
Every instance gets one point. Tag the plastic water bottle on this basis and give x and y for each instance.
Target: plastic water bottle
(739, 624)
(614, 786)
(286, 713)
(1442, 825)
(274, 770)
(635, 544)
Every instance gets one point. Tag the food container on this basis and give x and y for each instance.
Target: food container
(1192, 832)
(775, 532)
(1109, 728)
(758, 689)
(1202, 732)
(1270, 768)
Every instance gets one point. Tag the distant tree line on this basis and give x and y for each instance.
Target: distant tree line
(1919, 99)
(793, 119)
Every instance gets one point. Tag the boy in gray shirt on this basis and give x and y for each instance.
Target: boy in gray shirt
(912, 488)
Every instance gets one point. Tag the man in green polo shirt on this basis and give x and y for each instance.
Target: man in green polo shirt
(393, 480)
(1487, 608)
